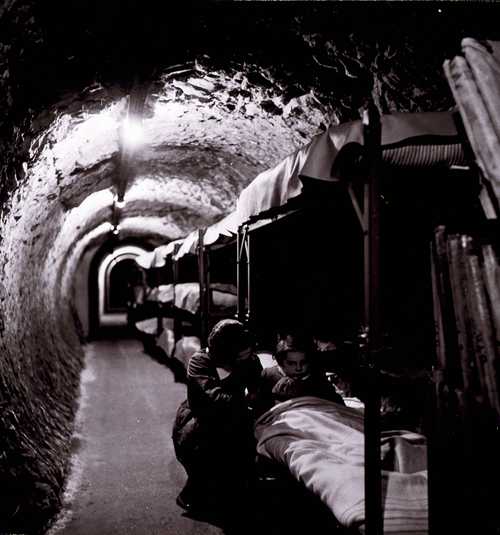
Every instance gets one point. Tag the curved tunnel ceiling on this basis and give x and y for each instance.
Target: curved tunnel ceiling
(210, 125)
(205, 136)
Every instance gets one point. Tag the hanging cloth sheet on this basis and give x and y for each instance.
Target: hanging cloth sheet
(408, 140)
(156, 258)
(474, 79)
(186, 296)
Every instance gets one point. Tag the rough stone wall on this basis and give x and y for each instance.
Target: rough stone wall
(41, 357)
(40, 363)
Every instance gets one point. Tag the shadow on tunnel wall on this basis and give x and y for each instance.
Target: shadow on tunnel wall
(42, 357)
(39, 379)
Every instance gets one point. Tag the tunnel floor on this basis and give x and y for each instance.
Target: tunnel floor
(125, 477)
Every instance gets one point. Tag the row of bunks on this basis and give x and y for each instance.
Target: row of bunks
(379, 238)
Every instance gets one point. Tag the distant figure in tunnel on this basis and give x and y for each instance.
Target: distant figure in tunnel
(136, 294)
(213, 432)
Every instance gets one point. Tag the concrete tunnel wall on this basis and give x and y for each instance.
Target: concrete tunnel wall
(212, 124)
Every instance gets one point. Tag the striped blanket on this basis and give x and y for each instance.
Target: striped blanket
(322, 444)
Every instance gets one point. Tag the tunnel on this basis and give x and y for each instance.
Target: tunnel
(220, 91)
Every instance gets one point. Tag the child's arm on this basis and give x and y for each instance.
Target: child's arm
(326, 390)
(288, 388)
(262, 400)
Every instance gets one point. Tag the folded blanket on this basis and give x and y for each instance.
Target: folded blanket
(322, 444)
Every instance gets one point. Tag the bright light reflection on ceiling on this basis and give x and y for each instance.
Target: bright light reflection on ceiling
(97, 200)
(132, 133)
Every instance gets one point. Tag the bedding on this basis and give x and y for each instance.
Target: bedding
(148, 326)
(322, 444)
(182, 350)
(166, 339)
(185, 348)
(186, 296)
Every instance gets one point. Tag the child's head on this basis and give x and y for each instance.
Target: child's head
(293, 354)
(229, 341)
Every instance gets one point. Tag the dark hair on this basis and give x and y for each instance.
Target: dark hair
(227, 338)
(292, 342)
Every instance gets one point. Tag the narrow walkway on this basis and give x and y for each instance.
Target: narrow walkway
(125, 476)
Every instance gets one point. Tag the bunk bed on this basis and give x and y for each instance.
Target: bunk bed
(173, 311)
(322, 445)
(301, 434)
(182, 301)
(185, 296)
(370, 479)
(308, 455)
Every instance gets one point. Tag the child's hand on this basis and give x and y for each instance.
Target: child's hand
(287, 388)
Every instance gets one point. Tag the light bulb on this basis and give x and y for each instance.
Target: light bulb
(132, 133)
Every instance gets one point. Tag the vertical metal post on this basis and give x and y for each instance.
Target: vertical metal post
(208, 291)
(242, 272)
(366, 254)
(373, 482)
(249, 315)
(159, 320)
(202, 275)
(175, 280)
(239, 279)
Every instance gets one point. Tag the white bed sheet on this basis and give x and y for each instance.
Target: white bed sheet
(322, 444)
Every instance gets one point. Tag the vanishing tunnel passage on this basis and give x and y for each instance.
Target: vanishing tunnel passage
(116, 275)
(123, 127)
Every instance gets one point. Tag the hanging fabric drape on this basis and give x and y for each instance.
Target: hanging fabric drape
(412, 140)
(156, 257)
(474, 79)
(463, 455)
(467, 304)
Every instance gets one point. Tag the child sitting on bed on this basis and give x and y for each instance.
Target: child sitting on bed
(294, 375)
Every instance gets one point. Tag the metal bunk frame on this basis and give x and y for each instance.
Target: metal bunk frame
(367, 210)
(372, 332)
(204, 275)
(175, 280)
(371, 335)
(205, 293)
(243, 256)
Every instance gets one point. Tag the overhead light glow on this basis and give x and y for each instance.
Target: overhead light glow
(132, 133)
(96, 200)
(102, 123)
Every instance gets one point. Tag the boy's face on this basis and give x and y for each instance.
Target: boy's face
(295, 364)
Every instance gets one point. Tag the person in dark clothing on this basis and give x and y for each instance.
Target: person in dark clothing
(213, 433)
(294, 375)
